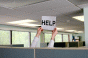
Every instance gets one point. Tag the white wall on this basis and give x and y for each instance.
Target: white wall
(86, 25)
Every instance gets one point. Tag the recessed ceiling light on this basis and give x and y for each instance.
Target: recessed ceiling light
(70, 30)
(80, 18)
(22, 21)
(27, 24)
(79, 31)
(60, 28)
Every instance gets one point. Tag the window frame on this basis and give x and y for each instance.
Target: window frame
(9, 34)
(68, 36)
(34, 32)
(20, 31)
(44, 37)
(61, 37)
(58, 33)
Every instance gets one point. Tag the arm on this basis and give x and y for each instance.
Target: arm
(54, 32)
(35, 41)
(51, 44)
(36, 38)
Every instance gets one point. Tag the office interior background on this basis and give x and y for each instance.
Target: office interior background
(19, 21)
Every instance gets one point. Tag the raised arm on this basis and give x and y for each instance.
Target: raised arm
(54, 33)
(36, 38)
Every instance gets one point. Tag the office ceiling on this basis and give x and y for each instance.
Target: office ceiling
(64, 10)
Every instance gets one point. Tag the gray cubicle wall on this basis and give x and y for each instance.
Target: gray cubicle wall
(15, 45)
(60, 53)
(42, 53)
(16, 53)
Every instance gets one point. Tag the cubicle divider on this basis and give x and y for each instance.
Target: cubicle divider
(10, 52)
(61, 53)
(14, 45)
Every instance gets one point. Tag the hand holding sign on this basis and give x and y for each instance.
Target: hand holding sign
(48, 22)
(39, 31)
(54, 33)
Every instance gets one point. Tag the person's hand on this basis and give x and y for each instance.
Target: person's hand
(54, 33)
(39, 31)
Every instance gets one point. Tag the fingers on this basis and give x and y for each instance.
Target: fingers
(40, 28)
(55, 29)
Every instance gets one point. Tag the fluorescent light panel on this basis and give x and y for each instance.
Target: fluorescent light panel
(27, 24)
(70, 30)
(74, 31)
(79, 31)
(60, 28)
(80, 18)
(22, 21)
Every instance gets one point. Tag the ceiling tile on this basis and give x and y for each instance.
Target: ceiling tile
(78, 2)
(83, 5)
(18, 3)
(52, 4)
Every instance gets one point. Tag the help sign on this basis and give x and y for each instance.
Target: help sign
(48, 22)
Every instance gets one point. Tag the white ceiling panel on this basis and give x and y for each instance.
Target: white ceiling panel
(52, 4)
(37, 10)
(64, 10)
(69, 23)
(83, 5)
(13, 13)
(57, 11)
(53, 12)
(17, 3)
(78, 2)
(4, 19)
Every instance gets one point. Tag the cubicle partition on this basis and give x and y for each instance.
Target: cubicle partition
(14, 45)
(11, 52)
(61, 53)
(8, 52)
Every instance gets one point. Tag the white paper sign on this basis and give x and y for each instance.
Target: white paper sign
(48, 22)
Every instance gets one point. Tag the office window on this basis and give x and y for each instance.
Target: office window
(4, 37)
(58, 38)
(47, 37)
(65, 38)
(20, 38)
(32, 36)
